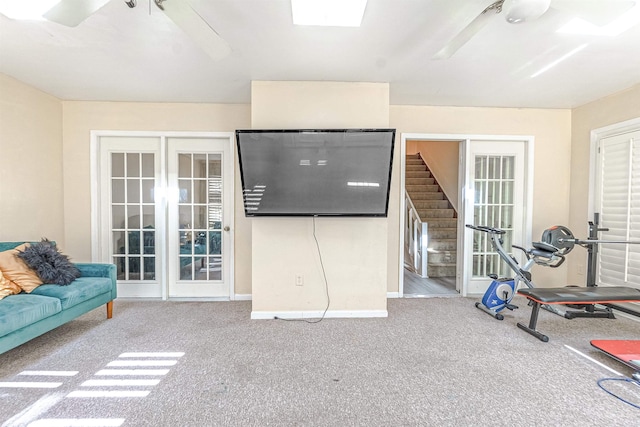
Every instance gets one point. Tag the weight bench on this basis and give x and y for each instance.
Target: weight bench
(590, 295)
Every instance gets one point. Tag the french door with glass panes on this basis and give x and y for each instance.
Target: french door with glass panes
(198, 221)
(497, 184)
(166, 211)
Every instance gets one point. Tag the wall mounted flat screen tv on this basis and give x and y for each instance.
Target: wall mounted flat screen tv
(327, 172)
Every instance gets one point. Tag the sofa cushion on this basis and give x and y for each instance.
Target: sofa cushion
(5, 246)
(7, 287)
(78, 291)
(18, 311)
(15, 269)
(51, 265)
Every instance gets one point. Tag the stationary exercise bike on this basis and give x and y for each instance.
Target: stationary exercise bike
(501, 290)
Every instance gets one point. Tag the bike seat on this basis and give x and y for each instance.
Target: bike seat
(543, 249)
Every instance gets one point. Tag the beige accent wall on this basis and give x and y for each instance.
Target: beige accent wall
(442, 158)
(31, 194)
(552, 157)
(353, 250)
(604, 112)
(80, 118)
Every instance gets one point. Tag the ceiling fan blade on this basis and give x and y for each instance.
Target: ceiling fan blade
(72, 12)
(465, 35)
(202, 34)
(596, 12)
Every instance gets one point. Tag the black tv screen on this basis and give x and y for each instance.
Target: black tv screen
(329, 172)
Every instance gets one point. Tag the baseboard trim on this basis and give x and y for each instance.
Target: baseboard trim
(248, 297)
(316, 314)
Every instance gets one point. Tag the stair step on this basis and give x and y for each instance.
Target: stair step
(426, 196)
(443, 244)
(438, 256)
(441, 270)
(414, 161)
(442, 233)
(443, 223)
(431, 204)
(422, 188)
(420, 181)
(415, 165)
(428, 214)
(418, 174)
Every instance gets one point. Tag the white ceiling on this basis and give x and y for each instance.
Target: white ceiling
(123, 54)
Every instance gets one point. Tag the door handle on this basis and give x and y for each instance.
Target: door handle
(226, 228)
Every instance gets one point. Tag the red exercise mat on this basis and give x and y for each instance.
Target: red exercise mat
(625, 351)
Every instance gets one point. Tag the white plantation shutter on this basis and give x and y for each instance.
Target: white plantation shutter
(618, 201)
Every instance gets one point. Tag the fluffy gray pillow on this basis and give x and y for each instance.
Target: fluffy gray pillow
(49, 263)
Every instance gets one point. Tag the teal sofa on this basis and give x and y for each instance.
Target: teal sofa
(26, 316)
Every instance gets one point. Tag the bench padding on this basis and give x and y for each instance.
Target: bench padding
(582, 295)
(588, 296)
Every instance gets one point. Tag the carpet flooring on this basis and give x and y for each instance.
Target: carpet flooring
(432, 362)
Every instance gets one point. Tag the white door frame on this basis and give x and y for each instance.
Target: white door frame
(97, 254)
(464, 183)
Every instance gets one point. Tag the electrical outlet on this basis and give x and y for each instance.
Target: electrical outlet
(299, 280)
(580, 269)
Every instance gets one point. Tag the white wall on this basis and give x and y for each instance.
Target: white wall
(353, 250)
(31, 190)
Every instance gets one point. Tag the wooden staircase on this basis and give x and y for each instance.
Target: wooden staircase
(434, 209)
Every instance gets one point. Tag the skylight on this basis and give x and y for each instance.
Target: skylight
(21, 9)
(329, 13)
(616, 27)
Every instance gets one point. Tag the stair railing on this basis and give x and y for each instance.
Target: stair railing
(416, 237)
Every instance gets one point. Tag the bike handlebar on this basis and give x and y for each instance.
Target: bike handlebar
(526, 252)
(486, 229)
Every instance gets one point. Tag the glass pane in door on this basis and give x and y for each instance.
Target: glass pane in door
(494, 207)
(133, 224)
(200, 216)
